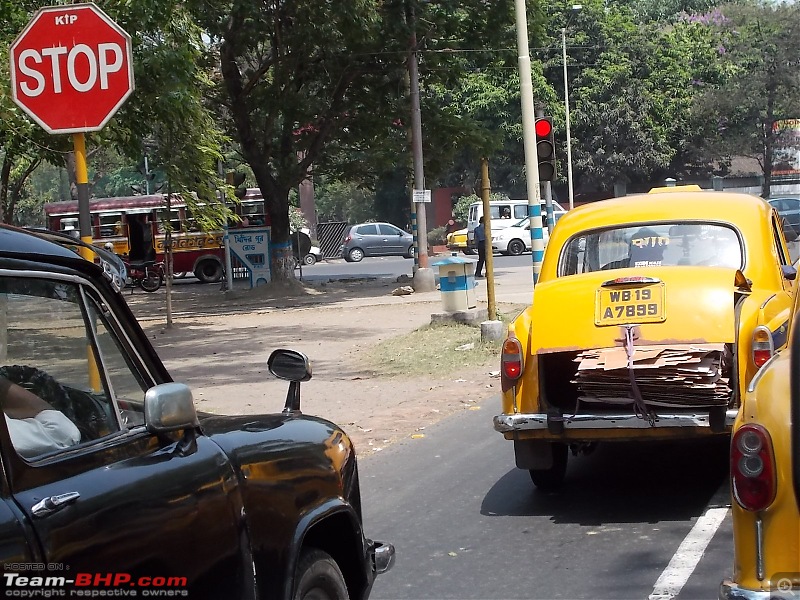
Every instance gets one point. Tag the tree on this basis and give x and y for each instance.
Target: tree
(171, 82)
(323, 83)
(759, 47)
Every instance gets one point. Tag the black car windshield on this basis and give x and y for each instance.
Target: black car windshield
(653, 244)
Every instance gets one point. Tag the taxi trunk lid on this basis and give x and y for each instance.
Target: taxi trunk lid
(656, 337)
(695, 305)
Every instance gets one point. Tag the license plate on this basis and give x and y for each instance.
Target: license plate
(640, 304)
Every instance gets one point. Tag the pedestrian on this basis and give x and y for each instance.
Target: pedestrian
(480, 244)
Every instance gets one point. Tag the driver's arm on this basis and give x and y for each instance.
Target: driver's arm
(19, 403)
(34, 426)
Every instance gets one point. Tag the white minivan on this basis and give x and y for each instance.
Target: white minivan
(504, 213)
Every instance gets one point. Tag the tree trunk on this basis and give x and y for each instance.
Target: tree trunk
(5, 174)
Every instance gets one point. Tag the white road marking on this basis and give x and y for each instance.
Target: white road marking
(691, 550)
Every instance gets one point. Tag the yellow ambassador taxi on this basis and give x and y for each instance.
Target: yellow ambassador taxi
(651, 316)
(457, 240)
(765, 481)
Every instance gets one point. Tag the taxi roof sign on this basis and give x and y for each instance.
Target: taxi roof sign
(693, 187)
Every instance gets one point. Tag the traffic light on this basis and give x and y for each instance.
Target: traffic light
(236, 180)
(545, 148)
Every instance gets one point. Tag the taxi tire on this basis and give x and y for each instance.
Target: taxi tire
(318, 577)
(550, 479)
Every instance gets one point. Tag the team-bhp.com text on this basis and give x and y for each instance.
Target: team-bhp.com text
(93, 585)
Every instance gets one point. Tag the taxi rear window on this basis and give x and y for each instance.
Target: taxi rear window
(653, 244)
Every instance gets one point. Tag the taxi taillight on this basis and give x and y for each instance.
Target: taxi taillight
(752, 468)
(511, 358)
(763, 347)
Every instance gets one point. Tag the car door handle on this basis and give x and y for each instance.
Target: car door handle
(53, 504)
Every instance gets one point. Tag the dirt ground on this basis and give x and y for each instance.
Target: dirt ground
(220, 341)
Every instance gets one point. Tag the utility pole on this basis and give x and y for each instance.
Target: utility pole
(486, 188)
(423, 277)
(529, 141)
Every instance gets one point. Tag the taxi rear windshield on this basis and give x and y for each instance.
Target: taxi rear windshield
(654, 244)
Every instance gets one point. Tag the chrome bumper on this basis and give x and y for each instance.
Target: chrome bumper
(731, 591)
(382, 556)
(534, 421)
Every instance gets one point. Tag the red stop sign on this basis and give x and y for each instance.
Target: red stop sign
(71, 68)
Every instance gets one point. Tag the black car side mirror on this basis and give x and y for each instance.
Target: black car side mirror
(292, 366)
(789, 272)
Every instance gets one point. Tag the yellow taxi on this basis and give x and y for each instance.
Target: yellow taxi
(457, 240)
(765, 480)
(651, 316)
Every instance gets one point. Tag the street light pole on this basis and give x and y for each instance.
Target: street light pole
(575, 8)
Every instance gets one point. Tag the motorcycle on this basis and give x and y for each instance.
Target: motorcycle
(148, 275)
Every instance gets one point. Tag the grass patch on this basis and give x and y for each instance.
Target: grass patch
(434, 349)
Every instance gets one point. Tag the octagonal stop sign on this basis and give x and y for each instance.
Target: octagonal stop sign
(71, 68)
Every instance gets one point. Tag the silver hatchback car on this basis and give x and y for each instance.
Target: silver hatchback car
(376, 239)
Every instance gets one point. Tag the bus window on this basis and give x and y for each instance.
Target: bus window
(110, 225)
(174, 219)
(69, 224)
(252, 213)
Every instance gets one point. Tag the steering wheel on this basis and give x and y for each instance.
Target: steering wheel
(43, 385)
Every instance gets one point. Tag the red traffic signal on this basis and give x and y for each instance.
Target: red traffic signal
(545, 148)
(543, 127)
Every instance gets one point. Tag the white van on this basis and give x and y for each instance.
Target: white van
(504, 213)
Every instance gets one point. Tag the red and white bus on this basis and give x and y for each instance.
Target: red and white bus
(135, 226)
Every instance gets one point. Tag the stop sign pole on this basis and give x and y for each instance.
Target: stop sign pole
(71, 70)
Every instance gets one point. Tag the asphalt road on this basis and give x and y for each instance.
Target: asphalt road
(388, 266)
(467, 524)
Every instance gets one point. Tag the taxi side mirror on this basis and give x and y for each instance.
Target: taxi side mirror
(789, 272)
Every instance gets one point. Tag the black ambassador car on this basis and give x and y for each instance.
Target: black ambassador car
(141, 494)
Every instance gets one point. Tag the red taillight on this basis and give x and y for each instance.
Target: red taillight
(763, 347)
(752, 468)
(511, 358)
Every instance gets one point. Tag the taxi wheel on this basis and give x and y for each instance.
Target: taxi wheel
(549, 480)
(319, 578)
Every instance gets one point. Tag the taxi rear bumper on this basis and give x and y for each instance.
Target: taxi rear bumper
(506, 423)
(729, 590)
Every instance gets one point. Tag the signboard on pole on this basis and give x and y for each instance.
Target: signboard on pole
(71, 68)
(251, 247)
(422, 196)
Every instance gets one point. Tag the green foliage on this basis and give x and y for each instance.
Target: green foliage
(461, 209)
(438, 236)
(757, 45)
(296, 219)
(341, 201)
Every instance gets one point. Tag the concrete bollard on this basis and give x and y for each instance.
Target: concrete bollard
(492, 330)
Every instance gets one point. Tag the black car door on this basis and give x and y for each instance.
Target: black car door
(120, 507)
